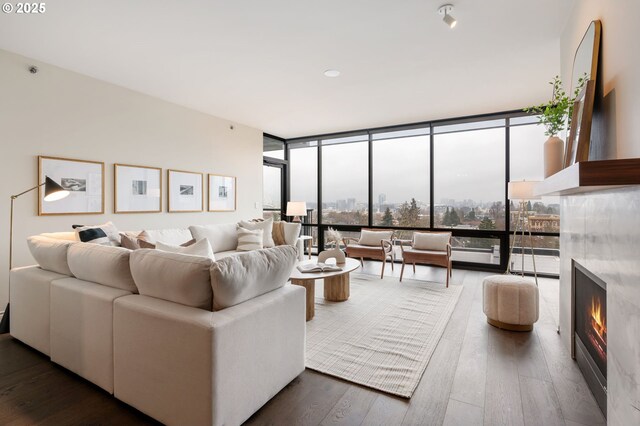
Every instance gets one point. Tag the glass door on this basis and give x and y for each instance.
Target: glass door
(273, 191)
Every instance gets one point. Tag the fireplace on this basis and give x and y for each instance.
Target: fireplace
(590, 330)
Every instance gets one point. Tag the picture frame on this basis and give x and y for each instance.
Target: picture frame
(137, 189)
(185, 191)
(222, 193)
(579, 137)
(84, 179)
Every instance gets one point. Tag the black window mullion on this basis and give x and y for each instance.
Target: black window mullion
(370, 207)
(431, 177)
(320, 229)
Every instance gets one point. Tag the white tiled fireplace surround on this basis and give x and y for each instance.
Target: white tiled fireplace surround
(601, 231)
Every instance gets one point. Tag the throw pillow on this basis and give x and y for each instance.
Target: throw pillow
(200, 248)
(174, 236)
(249, 239)
(133, 243)
(278, 233)
(436, 241)
(222, 237)
(267, 230)
(105, 234)
(374, 238)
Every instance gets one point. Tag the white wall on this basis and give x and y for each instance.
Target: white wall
(620, 67)
(61, 113)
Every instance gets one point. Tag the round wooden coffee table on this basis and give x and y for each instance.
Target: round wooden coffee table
(336, 283)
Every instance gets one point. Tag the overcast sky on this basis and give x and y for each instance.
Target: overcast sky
(469, 165)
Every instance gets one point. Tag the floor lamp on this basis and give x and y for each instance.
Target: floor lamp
(523, 191)
(52, 192)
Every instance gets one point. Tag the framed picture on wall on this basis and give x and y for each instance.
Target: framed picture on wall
(83, 179)
(137, 189)
(222, 193)
(186, 191)
(580, 132)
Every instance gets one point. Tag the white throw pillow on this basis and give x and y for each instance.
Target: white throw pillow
(106, 234)
(374, 238)
(291, 232)
(435, 241)
(267, 230)
(174, 277)
(249, 239)
(199, 248)
(175, 236)
(222, 237)
(235, 279)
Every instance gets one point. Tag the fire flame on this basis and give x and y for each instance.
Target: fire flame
(597, 320)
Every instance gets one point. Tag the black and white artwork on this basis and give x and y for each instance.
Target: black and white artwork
(74, 184)
(83, 179)
(222, 193)
(186, 190)
(138, 189)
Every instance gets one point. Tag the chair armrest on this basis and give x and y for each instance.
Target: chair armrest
(404, 243)
(387, 246)
(348, 240)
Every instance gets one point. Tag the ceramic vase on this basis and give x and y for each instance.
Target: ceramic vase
(553, 156)
(335, 253)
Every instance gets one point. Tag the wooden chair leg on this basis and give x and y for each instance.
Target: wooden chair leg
(414, 268)
(384, 263)
(401, 271)
(448, 278)
(392, 262)
(362, 262)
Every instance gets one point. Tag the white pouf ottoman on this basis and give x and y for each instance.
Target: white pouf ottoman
(510, 302)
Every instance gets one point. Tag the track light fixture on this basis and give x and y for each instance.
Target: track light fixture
(445, 10)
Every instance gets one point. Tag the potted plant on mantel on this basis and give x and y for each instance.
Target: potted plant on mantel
(554, 116)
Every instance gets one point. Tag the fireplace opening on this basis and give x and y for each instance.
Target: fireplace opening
(590, 330)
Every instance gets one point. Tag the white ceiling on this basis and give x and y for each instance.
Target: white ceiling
(261, 63)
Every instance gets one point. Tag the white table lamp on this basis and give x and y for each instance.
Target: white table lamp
(296, 209)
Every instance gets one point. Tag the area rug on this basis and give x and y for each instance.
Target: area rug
(384, 335)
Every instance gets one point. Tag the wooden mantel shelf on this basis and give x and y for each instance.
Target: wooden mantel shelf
(591, 176)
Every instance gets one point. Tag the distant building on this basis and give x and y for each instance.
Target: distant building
(382, 198)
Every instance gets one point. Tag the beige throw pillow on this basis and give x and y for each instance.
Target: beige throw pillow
(435, 241)
(374, 238)
(267, 229)
(249, 239)
(200, 248)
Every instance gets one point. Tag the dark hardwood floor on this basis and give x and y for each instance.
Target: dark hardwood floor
(477, 375)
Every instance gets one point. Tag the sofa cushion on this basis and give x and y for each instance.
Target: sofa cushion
(50, 253)
(106, 234)
(102, 264)
(436, 241)
(374, 238)
(175, 277)
(291, 232)
(267, 229)
(222, 237)
(175, 236)
(223, 254)
(236, 279)
(67, 235)
(249, 239)
(200, 248)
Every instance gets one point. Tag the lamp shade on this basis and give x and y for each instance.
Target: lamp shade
(523, 190)
(53, 191)
(296, 208)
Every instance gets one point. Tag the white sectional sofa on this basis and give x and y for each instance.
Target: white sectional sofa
(184, 339)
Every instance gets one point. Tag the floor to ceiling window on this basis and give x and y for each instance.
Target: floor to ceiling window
(345, 171)
(401, 174)
(273, 177)
(441, 175)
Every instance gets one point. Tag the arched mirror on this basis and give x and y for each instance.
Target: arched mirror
(586, 59)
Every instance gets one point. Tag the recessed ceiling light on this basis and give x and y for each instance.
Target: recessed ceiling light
(445, 10)
(331, 73)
